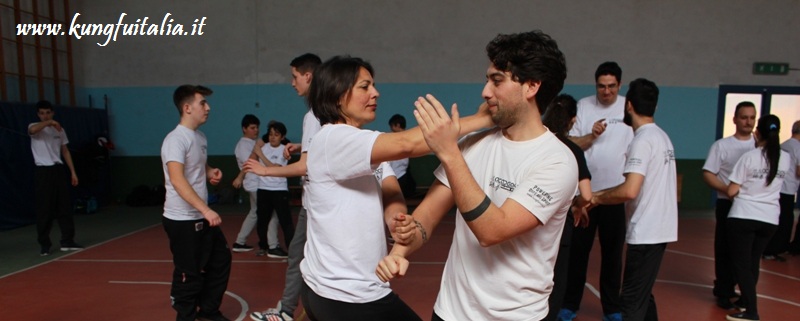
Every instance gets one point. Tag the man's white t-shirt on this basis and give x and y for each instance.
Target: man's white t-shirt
(723, 155)
(606, 157)
(242, 151)
(275, 156)
(511, 280)
(46, 145)
(790, 181)
(756, 200)
(311, 127)
(345, 217)
(653, 214)
(188, 147)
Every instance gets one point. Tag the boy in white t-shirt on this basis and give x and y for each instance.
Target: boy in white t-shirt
(243, 152)
(200, 252)
(651, 202)
(48, 145)
(273, 192)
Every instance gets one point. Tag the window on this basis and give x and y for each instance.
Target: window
(37, 67)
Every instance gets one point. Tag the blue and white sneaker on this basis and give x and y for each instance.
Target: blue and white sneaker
(566, 315)
(613, 317)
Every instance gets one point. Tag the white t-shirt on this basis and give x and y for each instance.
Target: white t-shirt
(653, 214)
(345, 217)
(756, 200)
(275, 156)
(311, 127)
(511, 280)
(790, 182)
(723, 155)
(606, 157)
(46, 145)
(243, 150)
(188, 147)
(400, 166)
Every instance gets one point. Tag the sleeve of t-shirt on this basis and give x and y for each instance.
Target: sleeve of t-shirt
(282, 160)
(311, 127)
(712, 161)
(64, 139)
(348, 152)
(639, 157)
(387, 170)
(544, 188)
(242, 152)
(174, 149)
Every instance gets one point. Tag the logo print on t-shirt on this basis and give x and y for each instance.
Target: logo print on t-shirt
(540, 195)
(669, 156)
(379, 174)
(498, 183)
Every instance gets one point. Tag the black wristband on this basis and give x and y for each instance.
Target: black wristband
(476, 212)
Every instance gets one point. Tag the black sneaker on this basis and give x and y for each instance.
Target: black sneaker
(277, 253)
(261, 252)
(44, 252)
(773, 257)
(241, 247)
(742, 316)
(71, 246)
(725, 303)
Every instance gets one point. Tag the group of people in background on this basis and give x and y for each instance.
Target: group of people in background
(533, 175)
(756, 179)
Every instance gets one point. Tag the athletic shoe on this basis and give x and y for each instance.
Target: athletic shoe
(261, 252)
(241, 247)
(613, 317)
(739, 305)
(774, 257)
(725, 303)
(277, 253)
(71, 246)
(264, 316)
(44, 252)
(741, 316)
(566, 315)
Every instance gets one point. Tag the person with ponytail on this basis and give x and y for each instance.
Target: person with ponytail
(559, 119)
(755, 186)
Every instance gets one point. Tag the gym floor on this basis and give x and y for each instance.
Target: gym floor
(124, 273)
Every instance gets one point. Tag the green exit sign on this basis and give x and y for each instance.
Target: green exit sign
(770, 68)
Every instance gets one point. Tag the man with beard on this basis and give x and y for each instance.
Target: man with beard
(512, 186)
(651, 201)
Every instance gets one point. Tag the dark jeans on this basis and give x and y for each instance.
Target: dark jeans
(641, 269)
(279, 202)
(780, 240)
(725, 283)
(609, 222)
(388, 308)
(53, 203)
(202, 267)
(747, 240)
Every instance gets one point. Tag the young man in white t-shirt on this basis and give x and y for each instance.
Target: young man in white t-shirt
(48, 145)
(599, 130)
(302, 72)
(273, 192)
(243, 152)
(651, 201)
(780, 240)
(718, 166)
(200, 252)
(512, 186)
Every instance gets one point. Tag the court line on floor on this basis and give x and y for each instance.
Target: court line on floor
(75, 252)
(790, 277)
(158, 261)
(706, 286)
(242, 302)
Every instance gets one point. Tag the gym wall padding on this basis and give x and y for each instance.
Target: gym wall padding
(82, 125)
